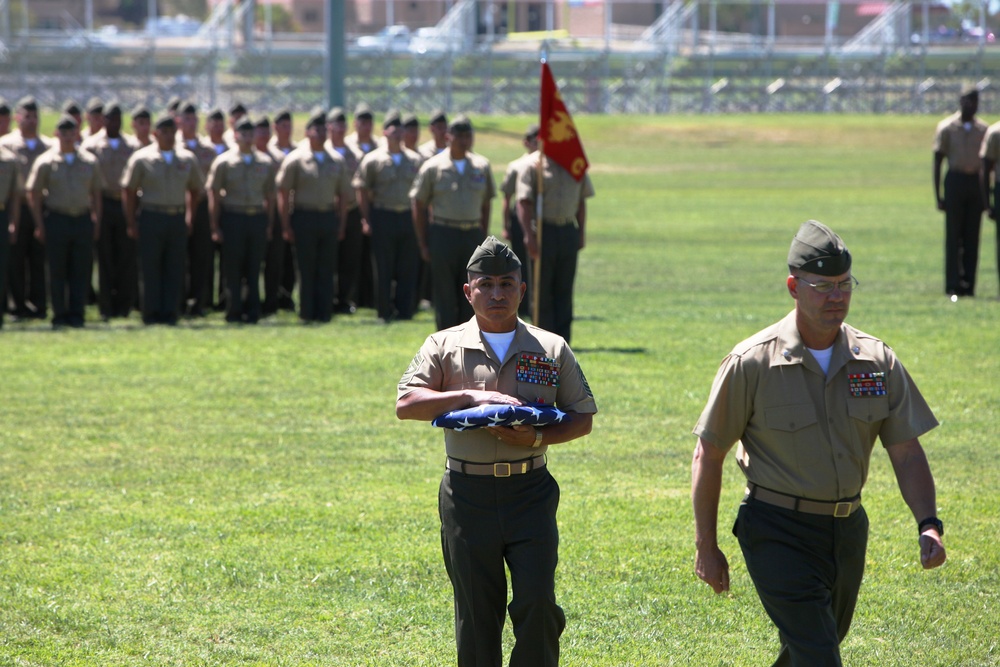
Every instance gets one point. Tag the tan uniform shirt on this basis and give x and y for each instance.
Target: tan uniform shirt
(388, 183)
(245, 184)
(276, 150)
(203, 149)
(11, 181)
(352, 158)
(361, 149)
(802, 433)
(162, 184)
(459, 358)
(112, 156)
(315, 185)
(990, 148)
(562, 192)
(26, 155)
(508, 186)
(453, 195)
(960, 144)
(429, 149)
(68, 187)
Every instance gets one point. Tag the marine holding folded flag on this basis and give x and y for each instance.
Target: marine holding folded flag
(497, 475)
(552, 197)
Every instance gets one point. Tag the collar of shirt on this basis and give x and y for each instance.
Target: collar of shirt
(789, 348)
(472, 338)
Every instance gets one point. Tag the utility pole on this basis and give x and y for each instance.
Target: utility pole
(336, 53)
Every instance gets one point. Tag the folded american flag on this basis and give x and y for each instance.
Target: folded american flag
(499, 415)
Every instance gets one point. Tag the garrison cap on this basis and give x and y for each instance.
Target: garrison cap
(493, 258)
(27, 103)
(410, 120)
(71, 107)
(95, 105)
(336, 114)
(4, 107)
(237, 109)
(438, 116)
(244, 124)
(817, 249)
(391, 119)
(460, 123)
(165, 120)
(363, 111)
(111, 108)
(140, 111)
(67, 122)
(216, 114)
(283, 114)
(262, 121)
(971, 94)
(532, 131)
(187, 107)
(316, 117)
(173, 103)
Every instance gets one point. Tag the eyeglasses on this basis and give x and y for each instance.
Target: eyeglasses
(825, 287)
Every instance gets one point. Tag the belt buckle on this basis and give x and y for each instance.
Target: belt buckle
(497, 468)
(842, 510)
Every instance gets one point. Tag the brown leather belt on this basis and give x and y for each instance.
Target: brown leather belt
(501, 469)
(840, 510)
(77, 213)
(159, 208)
(244, 210)
(463, 225)
(558, 222)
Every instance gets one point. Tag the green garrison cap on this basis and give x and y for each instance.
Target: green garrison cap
(363, 111)
(411, 120)
(4, 107)
(164, 121)
(283, 114)
(71, 107)
(112, 107)
(493, 258)
(66, 122)
(460, 123)
(317, 117)
(95, 105)
(392, 118)
(245, 124)
(817, 249)
(336, 115)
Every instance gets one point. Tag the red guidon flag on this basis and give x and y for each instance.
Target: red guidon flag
(561, 143)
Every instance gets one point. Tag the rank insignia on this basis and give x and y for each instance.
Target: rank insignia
(536, 369)
(867, 384)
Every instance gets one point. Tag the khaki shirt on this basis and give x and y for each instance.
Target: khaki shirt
(203, 149)
(459, 358)
(352, 157)
(960, 145)
(162, 184)
(990, 148)
(246, 185)
(26, 156)
(352, 142)
(315, 185)
(276, 150)
(68, 187)
(562, 192)
(454, 195)
(111, 160)
(802, 433)
(11, 181)
(429, 149)
(508, 186)
(388, 184)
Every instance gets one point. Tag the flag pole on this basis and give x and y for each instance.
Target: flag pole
(536, 281)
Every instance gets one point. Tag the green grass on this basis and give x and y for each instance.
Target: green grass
(210, 495)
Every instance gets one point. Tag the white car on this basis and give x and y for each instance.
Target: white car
(394, 38)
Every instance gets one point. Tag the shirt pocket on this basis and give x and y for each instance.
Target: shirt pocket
(530, 392)
(791, 418)
(868, 410)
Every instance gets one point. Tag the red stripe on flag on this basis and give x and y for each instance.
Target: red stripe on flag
(560, 140)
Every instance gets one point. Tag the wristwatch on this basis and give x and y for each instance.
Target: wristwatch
(931, 521)
(538, 438)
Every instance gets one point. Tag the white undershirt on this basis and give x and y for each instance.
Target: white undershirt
(500, 342)
(320, 156)
(823, 357)
(69, 157)
(114, 143)
(168, 156)
(460, 165)
(31, 143)
(396, 158)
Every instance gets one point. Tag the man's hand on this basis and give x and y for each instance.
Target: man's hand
(932, 552)
(711, 566)
(522, 435)
(492, 398)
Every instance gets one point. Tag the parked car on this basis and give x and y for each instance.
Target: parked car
(394, 38)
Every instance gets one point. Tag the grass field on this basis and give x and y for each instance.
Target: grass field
(209, 495)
